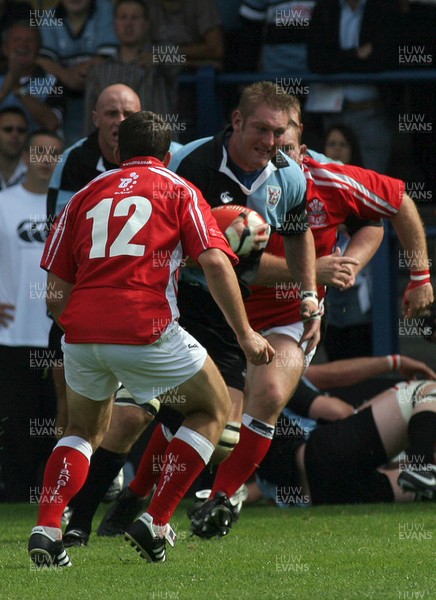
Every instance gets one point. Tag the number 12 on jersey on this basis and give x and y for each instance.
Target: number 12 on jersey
(101, 219)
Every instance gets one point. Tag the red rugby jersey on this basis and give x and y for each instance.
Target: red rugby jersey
(120, 241)
(334, 192)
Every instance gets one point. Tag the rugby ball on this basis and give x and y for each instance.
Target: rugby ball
(240, 240)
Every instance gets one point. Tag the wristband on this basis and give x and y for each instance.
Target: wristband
(394, 362)
(312, 295)
(419, 278)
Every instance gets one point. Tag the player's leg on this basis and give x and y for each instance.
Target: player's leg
(206, 408)
(90, 386)
(202, 318)
(58, 376)
(127, 424)
(339, 462)
(176, 367)
(406, 417)
(231, 433)
(133, 498)
(418, 474)
(268, 389)
(399, 494)
(106, 462)
(65, 473)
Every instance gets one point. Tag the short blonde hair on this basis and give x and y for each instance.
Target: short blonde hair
(269, 93)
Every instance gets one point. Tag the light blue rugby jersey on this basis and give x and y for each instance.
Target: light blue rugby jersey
(278, 193)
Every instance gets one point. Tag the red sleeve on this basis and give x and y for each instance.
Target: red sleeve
(58, 256)
(369, 194)
(199, 229)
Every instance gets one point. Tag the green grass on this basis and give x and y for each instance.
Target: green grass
(337, 553)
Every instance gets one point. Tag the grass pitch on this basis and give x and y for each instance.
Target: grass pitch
(338, 553)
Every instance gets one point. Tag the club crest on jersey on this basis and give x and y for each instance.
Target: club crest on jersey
(316, 214)
(226, 198)
(274, 194)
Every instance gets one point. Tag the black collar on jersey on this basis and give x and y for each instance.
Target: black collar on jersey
(92, 155)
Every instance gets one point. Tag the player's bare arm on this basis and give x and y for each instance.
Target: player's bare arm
(411, 233)
(343, 373)
(364, 243)
(224, 287)
(58, 296)
(301, 261)
(272, 269)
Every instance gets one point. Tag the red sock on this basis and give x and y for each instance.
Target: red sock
(245, 458)
(65, 473)
(181, 466)
(150, 467)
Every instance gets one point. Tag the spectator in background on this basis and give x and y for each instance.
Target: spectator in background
(132, 64)
(25, 84)
(86, 34)
(354, 36)
(348, 313)
(11, 11)
(27, 395)
(282, 28)
(194, 26)
(13, 133)
(187, 34)
(341, 144)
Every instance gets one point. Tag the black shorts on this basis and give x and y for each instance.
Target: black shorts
(341, 460)
(202, 318)
(54, 341)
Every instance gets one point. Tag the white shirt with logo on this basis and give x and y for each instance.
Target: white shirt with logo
(22, 281)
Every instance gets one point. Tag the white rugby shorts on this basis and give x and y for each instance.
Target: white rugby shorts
(294, 331)
(97, 370)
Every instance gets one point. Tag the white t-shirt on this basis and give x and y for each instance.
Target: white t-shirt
(22, 281)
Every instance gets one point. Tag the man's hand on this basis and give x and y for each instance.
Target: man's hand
(336, 270)
(364, 51)
(6, 314)
(417, 300)
(311, 317)
(256, 348)
(412, 368)
(77, 75)
(260, 232)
